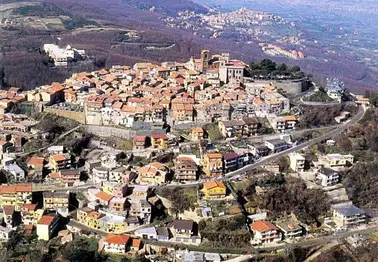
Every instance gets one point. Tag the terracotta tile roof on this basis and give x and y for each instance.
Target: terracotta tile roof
(36, 161)
(54, 175)
(262, 226)
(95, 214)
(214, 155)
(29, 206)
(157, 165)
(46, 220)
(136, 242)
(290, 118)
(104, 196)
(197, 129)
(59, 157)
(212, 184)
(140, 138)
(117, 239)
(160, 136)
(8, 209)
(24, 188)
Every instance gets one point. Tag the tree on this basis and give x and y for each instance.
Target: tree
(268, 65)
(282, 68)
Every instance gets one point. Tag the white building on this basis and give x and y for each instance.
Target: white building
(297, 162)
(348, 215)
(5, 233)
(265, 232)
(327, 177)
(62, 56)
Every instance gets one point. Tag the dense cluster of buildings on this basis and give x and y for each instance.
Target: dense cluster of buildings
(111, 195)
(202, 90)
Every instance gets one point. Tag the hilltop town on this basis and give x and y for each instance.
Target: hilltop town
(207, 160)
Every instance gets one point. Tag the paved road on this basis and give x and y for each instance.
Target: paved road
(303, 242)
(51, 144)
(311, 142)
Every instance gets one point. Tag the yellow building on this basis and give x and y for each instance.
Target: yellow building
(197, 133)
(28, 213)
(338, 160)
(55, 200)
(159, 141)
(82, 215)
(47, 226)
(112, 224)
(59, 161)
(93, 219)
(15, 195)
(212, 164)
(152, 174)
(214, 190)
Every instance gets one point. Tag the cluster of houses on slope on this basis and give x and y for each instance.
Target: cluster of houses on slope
(172, 93)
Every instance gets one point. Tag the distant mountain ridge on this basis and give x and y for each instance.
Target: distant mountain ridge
(169, 7)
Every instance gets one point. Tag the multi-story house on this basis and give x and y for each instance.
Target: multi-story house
(56, 200)
(185, 169)
(28, 214)
(183, 231)
(251, 126)
(338, 160)
(327, 177)
(233, 128)
(259, 150)
(159, 141)
(118, 244)
(70, 176)
(15, 195)
(59, 161)
(348, 215)
(82, 215)
(100, 174)
(214, 190)
(152, 174)
(290, 122)
(265, 232)
(231, 162)
(112, 223)
(213, 164)
(196, 133)
(104, 198)
(140, 142)
(142, 209)
(47, 226)
(182, 113)
(115, 189)
(231, 70)
(297, 162)
(93, 219)
(276, 145)
(117, 175)
(290, 229)
(117, 204)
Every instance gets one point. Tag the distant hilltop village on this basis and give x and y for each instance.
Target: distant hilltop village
(201, 90)
(274, 50)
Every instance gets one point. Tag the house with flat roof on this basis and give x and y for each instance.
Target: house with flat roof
(290, 229)
(348, 215)
(146, 233)
(297, 162)
(276, 145)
